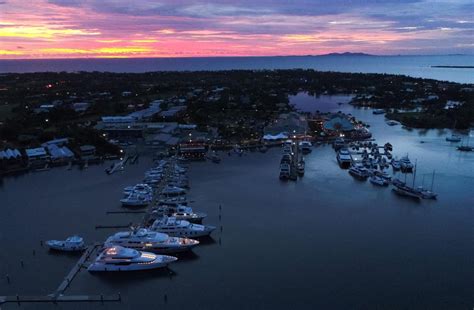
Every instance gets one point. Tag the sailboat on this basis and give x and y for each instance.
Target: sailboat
(454, 137)
(467, 147)
(402, 189)
(428, 194)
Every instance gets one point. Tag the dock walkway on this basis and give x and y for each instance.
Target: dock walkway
(75, 270)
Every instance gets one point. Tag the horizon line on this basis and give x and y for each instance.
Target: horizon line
(351, 54)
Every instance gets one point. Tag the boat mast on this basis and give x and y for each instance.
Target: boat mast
(432, 181)
(414, 173)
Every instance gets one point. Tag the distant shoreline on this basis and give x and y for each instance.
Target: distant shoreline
(454, 67)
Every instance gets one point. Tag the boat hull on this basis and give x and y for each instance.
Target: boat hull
(101, 267)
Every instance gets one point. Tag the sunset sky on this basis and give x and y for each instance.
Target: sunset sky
(187, 28)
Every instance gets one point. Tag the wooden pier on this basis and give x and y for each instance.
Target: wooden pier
(75, 270)
(56, 299)
(58, 295)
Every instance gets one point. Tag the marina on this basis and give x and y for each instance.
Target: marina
(340, 216)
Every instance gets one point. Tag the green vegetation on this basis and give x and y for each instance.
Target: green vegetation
(237, 103)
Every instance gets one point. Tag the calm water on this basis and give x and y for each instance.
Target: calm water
(324, 242)
(416, 66)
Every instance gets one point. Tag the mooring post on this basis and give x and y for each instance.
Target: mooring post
(41, 242)
(166, 298)
(18, 299)
(102, 298)
(8, 279)
(119, 296)
(22, 264)
(34, 252)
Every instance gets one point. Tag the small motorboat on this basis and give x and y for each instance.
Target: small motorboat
(378, 181)
(137, 200)
(396, 164)
(360, 173)
(71, 244)
(305, 147)
(284, 171)
(427, 194)
(453, 138)
(300, 167)
(173, 191)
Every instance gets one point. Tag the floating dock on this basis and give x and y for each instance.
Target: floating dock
(58, 295)
(55, 299)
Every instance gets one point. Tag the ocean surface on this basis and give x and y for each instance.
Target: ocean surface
(326, 241)
(415, 66)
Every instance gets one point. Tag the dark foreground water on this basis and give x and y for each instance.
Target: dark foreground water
(324, 242)
(416, 66)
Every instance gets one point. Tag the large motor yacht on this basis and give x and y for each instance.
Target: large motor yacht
(180, 228)
(118, 258)
(145, 240)
(344, 158)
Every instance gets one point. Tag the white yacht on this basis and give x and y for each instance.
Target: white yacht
(284, 171)
(145, 240)
(117, 258)
(305, 146)
(378, 111)
(359, 172)
(339, 143)
(344, 158)
(173, 191)
(405, 164)
(396, 164)
(71, 244)
(300, 167)
(180, 212)
(392, 123)
(180, 228)
(136, 200)
(376, 180)
(141, 188)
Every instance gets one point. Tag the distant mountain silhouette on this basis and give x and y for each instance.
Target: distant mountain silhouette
(347, 54)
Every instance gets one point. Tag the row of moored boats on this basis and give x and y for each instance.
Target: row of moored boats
(173, 226)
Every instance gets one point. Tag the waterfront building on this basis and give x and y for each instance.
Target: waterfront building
(290, 124)
(37, 156)
(87, 150)
(60, 154)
